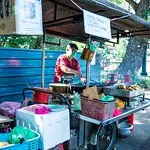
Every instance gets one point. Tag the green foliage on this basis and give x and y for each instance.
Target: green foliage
(32, 42)
(111, 53)
(54, 40)
(144, 82)
(29, 42)
(118, 2)
(81, 46)
(146, 14)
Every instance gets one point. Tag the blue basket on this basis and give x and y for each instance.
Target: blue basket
(31, 144)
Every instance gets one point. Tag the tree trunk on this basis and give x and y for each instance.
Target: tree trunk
(132, 60)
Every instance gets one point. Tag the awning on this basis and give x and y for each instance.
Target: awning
(64, 19)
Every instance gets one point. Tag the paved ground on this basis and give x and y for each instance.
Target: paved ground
(140, 138)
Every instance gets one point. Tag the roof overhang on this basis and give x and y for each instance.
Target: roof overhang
(63, 18)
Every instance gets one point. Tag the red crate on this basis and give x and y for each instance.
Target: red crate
(96, 109)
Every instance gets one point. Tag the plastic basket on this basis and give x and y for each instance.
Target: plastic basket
(97, 109)
(31, 144)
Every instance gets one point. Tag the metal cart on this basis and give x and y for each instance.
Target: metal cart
(95, 134)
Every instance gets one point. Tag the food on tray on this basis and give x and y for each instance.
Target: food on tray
(136, 87)
(2, 144)
(122, 86)
(129, 88)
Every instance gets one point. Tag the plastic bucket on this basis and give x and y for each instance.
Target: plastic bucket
(41, 97)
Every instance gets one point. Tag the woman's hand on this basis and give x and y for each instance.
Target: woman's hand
(83, 80)
(79, 74)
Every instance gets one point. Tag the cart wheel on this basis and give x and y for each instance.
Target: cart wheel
(106, 137)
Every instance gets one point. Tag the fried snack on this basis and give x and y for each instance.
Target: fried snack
(122, 86)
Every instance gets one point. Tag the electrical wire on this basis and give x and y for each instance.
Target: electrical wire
(121, 17)
(76, 5)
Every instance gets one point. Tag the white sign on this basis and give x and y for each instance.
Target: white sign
(97, 25)
(29, 17)
(23, 17)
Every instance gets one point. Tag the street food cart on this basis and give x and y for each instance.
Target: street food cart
(65, 19)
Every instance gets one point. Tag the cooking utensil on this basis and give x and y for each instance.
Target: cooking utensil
(60, 88)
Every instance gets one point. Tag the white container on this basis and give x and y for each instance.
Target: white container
(53, 127)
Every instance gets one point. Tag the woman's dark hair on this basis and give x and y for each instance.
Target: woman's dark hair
(72, 45)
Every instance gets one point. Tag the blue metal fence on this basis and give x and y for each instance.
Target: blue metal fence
(21, 66)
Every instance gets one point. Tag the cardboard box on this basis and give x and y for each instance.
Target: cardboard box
(22, 17)
(91, 93)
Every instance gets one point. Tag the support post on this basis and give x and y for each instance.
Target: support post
(43, 60)
(144, 62)
(88, 67)
(87, 74)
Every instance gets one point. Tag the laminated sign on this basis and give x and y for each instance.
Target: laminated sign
(97, 25)
(22, 17)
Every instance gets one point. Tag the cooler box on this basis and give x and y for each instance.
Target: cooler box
(53, 127)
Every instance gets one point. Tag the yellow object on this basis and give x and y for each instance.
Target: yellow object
(130, 88)
(120, 104)
(122, 86)
(102, 94)
(51, 88)
(2, 144)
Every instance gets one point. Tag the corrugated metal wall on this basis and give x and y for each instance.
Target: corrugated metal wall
(21, 66)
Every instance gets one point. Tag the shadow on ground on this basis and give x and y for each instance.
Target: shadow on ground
(140, 138)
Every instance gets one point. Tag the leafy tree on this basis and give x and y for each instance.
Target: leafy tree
(29, 42)
(32, 42)
(132, 60)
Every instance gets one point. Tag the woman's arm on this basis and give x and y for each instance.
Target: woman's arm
(68, 70)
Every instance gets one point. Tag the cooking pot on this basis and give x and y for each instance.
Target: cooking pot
(60, 88)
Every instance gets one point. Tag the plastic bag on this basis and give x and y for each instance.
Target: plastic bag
(8, 109)
(20, 134)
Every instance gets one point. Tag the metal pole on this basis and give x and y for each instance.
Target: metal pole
(87, 73)
(144, 62)
(43, 60)
(88, 67)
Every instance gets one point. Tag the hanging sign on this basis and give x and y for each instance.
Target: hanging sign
(97, 25)
(22, 17)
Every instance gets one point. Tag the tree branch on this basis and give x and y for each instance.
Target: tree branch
(133, 4)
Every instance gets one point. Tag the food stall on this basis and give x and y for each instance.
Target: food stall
(71, 24)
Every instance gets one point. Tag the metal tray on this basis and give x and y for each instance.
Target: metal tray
(112, 90)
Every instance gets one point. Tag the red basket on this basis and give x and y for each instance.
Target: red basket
(96, 109)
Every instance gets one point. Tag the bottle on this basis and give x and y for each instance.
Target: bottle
(77, 102)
